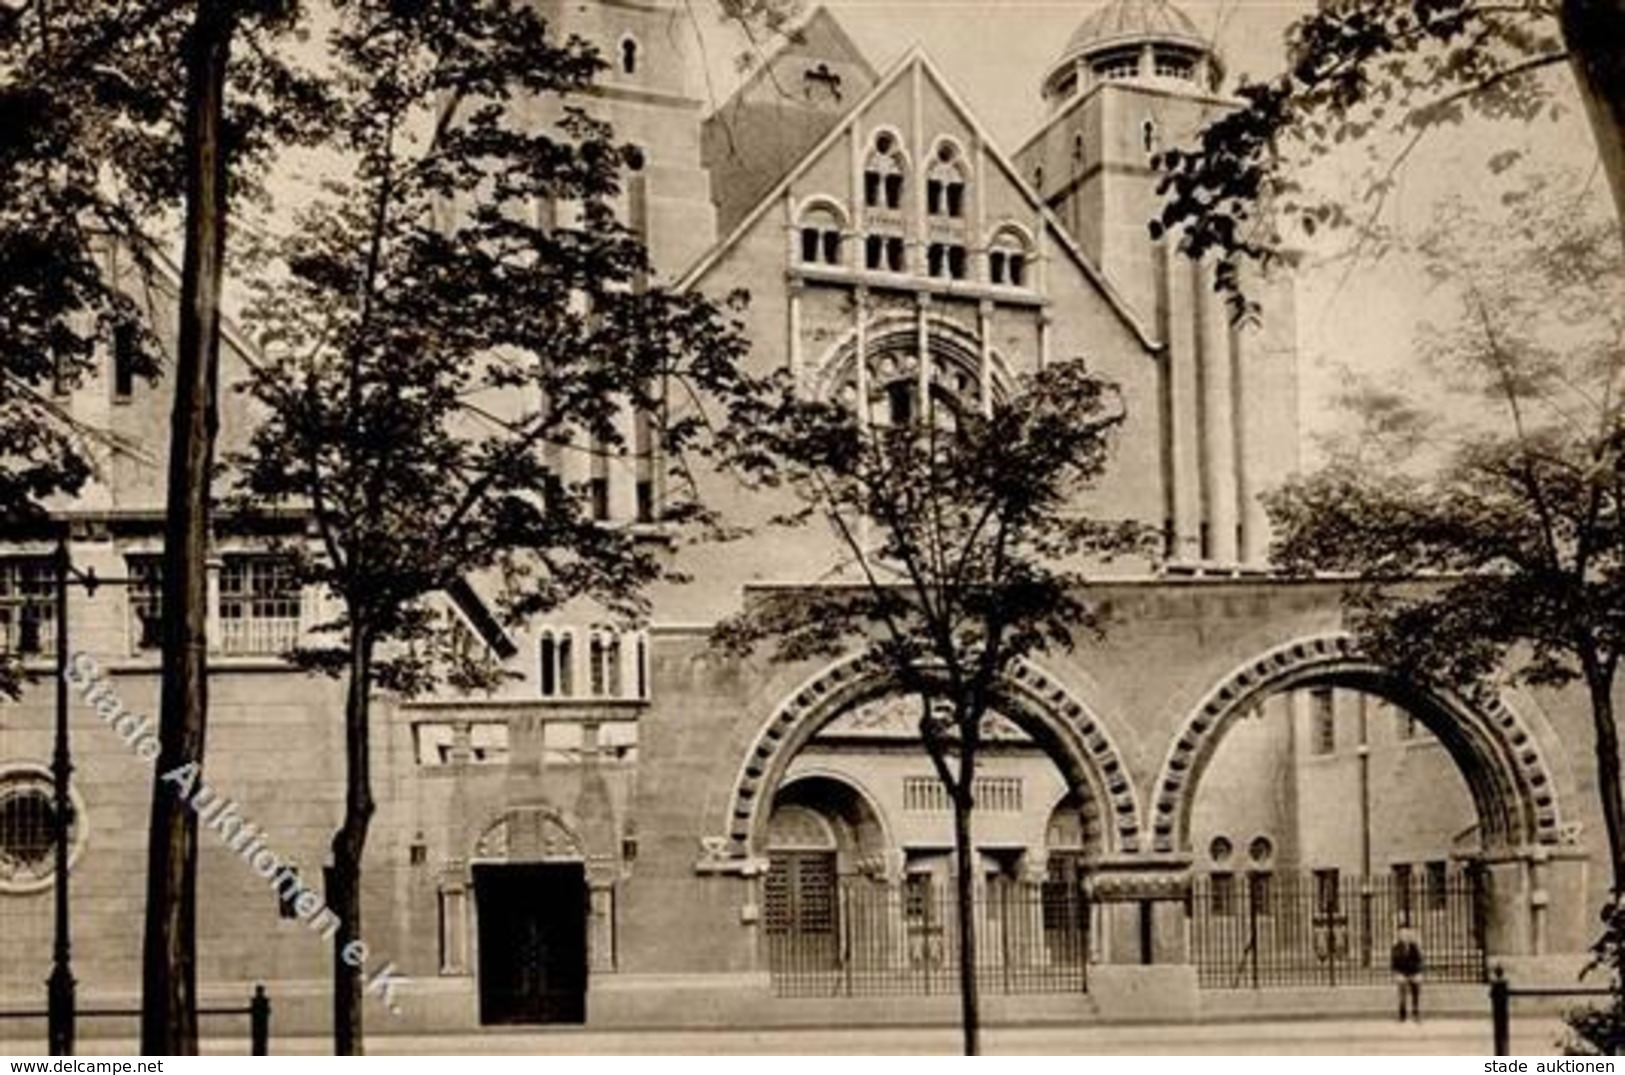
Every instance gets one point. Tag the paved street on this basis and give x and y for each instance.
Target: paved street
(1443, 1037)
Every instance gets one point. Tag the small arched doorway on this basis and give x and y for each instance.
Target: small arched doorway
(531, 907)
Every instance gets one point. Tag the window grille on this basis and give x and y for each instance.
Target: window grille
(993, 794)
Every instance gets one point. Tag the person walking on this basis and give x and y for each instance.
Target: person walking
(1406, 962)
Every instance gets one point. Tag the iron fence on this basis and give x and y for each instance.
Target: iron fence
(1292, 930)
(873, 939)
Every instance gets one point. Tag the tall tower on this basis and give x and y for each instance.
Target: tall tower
(644, 94)
(1137, 77)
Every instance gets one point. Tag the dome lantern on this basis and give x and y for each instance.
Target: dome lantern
(1149, 41)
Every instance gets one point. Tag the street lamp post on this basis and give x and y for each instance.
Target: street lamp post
(60, 986)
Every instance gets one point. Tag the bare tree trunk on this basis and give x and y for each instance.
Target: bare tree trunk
(169, 958)
(349, 842)
(1595, 33)
(1606, 732)
(965, 896)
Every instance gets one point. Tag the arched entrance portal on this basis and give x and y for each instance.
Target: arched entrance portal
(858, 893)
(531, 905)
(1326, 803)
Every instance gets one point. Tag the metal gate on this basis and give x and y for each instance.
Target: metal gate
(903, 939)
(1263, 930)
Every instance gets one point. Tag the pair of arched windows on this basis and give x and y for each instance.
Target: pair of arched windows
(820, 236)
(1007, 259)
(616, 664)
(945, 184)
(884, 173)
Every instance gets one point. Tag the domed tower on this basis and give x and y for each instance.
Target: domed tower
(1146, 41)
(1137, 77)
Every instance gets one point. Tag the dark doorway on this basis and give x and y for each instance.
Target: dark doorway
(533, 942)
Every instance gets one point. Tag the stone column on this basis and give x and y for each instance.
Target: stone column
(922, 355)
(860, 348)
(1218, 437)
(793, 326)
(454, 931)
(1507, 926)
(601, 917)
(984, 366)
(1179, 404)
(212, 611)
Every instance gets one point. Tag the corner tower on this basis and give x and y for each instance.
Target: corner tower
(1137, 77)
(644, 92)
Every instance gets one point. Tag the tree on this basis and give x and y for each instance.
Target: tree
(437, 360)
(217, 142)
(58, 307)
(1513, 516)
(977, 559)
(115, 115)
(1405, 67)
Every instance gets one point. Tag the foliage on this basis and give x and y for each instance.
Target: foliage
(1601, 1031)
(448, 332)
(964, 530)
(1374, 73)
(91, 103)
(1503, 557)
(1500, 461)
(433, 351)
(968, 542)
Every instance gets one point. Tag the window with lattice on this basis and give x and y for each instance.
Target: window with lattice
(259, 605)
(146, 602)
(27, 606)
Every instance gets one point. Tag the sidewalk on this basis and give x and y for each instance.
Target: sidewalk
(1305, 1037)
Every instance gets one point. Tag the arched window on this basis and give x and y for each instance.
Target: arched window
(629, 56)
(946, 260)
(945, 184)
(820, 236)
(556, 678)
(1007, 259)
(884, 174)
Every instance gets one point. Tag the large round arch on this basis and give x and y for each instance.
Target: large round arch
(891, 345)
(1073, 737)
(1498, 756)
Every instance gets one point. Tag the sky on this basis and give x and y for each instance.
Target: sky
(1358, 313)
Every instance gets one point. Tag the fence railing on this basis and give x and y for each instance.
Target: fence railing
(875, 939)
(1298, 930)
(258, 1011)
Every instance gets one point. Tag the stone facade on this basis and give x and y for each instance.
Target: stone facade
(653, 765)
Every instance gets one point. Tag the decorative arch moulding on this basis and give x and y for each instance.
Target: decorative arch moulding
(1512, 760)
(1071, 725)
